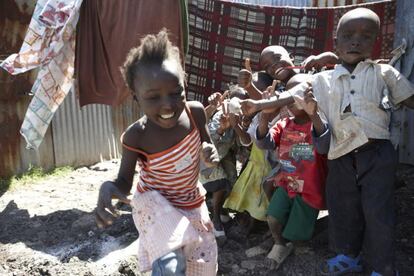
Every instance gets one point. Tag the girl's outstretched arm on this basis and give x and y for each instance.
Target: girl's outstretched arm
(120, 188)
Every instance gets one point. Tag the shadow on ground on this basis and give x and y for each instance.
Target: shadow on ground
(66, 233)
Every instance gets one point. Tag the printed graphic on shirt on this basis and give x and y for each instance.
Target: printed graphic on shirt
(296, 155)
(287, 166)
(289, 139)
(302, 151)
(294, 183)
(292, 136)
(184, 162)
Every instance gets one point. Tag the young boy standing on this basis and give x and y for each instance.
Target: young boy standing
(362, 160)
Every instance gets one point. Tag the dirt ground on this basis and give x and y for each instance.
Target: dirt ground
(48, 228)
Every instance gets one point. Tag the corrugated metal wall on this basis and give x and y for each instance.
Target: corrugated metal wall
(83, 136)
(404, 29)
(77, 136)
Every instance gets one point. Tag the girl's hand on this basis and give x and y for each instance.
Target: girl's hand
(245, 76)
(209, 154)
(216, 99)
(105, 212)
(224, 122)
(224, 118)
(205, 219)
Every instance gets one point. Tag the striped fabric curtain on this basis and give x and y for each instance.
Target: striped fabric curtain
(276, 3)
(336, 3)
(223, 34)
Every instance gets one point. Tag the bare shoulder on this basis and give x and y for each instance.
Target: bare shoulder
(134, 133)
(197, 110)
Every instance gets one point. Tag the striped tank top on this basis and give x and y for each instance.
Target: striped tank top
(174, 172)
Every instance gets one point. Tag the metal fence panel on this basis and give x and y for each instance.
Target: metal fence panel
(82, 136)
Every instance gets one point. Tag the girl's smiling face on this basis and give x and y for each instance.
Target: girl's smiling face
(160, 92)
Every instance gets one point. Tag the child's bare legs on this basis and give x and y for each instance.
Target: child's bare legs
(219, 190)
(268, 188)
(218, 201)
(288, 219)
(276, 229)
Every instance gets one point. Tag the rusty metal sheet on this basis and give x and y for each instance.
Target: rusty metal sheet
(77, 136)
(14, 19)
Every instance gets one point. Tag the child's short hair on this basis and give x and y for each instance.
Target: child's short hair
(276, 49)
(359, 12)
(153, 49)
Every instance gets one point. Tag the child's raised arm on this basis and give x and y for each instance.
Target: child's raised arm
(285, 98)
(245, 80)
(214, 101)
(327, 59)
(235, 122)
(252, 106)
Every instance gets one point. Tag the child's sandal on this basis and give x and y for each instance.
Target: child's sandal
(341, 264)
(219, 233)
(279, 253)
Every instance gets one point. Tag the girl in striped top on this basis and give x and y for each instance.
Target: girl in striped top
(169, 207)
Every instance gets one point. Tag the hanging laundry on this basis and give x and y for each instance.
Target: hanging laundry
(48, 45)
(108, 30)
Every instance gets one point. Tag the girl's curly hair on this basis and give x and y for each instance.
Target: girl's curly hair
(154, 49)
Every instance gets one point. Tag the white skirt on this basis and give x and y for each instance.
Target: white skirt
(164, 228)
